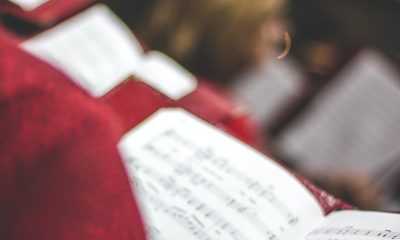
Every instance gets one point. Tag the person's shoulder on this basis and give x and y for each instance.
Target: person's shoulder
(23, 76)
(60, 172)
(41, 106)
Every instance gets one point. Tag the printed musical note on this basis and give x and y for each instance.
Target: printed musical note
(351, 231)
(194, 185)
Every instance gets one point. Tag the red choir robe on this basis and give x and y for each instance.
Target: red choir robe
(133, 101)
(60, 173)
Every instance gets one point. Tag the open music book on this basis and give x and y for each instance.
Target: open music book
(277, 82)
(196, 182)
(358, 113)
(98, 51)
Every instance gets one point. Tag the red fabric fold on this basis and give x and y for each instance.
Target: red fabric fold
(60, 173)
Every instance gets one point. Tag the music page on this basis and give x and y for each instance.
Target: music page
(196, 182)
(98, 51)
(353, 124)
(357, 225)
(95, 48)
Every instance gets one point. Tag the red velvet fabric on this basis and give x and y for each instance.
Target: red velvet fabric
(133, 101)
(60, 173)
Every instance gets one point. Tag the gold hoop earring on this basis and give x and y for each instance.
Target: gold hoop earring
(288, 46)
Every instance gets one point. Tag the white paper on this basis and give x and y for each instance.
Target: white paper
(164, 74)
(98, 51)
(357, 225)
(95, 48)
(29, 5)
(353, 124)
(196, 182)
(265, 90)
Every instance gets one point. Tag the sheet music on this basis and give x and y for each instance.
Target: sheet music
(196, 182)
(353, 124)
(29, 4)
(265, 90)
(357, 225)
(98, 51)
(95, 48)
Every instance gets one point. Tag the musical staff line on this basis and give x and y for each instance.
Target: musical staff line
(351, 231)
(160, 161)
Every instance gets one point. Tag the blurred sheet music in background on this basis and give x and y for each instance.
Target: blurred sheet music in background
(353, 124)
(265, 90)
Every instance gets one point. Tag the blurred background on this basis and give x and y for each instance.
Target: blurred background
(331, 108)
